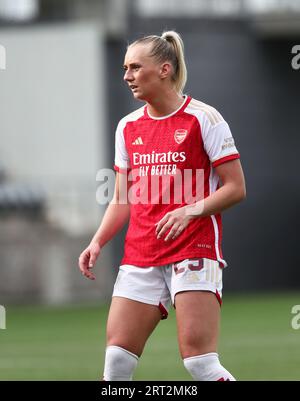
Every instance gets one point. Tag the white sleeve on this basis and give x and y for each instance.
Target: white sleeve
(122, 160)
(219, 143)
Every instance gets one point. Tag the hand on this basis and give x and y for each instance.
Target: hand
(88, 258)
(176, 221)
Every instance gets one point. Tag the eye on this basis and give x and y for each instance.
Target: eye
(136, 67)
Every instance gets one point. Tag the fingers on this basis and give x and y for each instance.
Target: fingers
(93, 258)
(162, 226)
(85, 263)
(174, 232)
(88, 274)
(164, 229)
(168, 222)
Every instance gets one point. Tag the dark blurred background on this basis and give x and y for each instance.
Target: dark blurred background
(62, 95)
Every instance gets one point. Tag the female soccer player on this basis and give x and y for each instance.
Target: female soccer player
(173, 243)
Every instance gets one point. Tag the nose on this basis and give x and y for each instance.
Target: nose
(127, 76)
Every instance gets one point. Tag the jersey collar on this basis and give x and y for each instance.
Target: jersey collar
(186, 101)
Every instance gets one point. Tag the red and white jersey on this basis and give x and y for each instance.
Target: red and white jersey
(196, 138)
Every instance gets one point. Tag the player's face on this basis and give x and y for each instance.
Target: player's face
(142, 73)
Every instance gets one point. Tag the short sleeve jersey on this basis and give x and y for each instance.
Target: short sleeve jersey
(155, 151)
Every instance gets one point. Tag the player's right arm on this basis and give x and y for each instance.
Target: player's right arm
(115, 217)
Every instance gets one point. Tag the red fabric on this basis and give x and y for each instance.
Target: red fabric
(121, 170)
(160, 148)
(226, 159)
(163, 311)
(219, 298)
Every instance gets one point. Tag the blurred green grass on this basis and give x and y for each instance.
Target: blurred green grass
(257, 342)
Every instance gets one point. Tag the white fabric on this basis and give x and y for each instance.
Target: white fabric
(216, 135)
(119, 364)
(121, 155)
(207, 367)
(159, 284)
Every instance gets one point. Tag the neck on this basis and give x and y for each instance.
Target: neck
(164, 104)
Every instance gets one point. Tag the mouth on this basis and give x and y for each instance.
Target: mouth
(133, 87)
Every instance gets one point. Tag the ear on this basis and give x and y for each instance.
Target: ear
(165, 70)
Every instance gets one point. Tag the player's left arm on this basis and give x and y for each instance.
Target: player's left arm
(232, 191)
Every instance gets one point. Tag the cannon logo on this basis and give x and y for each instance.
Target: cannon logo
(180, 135)
(2, 317)
(2, 57)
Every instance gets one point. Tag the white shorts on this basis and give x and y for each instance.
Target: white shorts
(158, 285)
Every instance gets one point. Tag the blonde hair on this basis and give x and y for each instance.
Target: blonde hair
(168, 47)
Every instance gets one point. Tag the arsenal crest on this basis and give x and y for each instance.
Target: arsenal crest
(180, 135)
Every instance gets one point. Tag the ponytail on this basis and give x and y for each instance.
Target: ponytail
(168, 47)
(175, 40)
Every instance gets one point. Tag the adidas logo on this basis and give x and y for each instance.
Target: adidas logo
(138, 141)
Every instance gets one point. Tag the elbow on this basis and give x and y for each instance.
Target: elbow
(241, 194)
